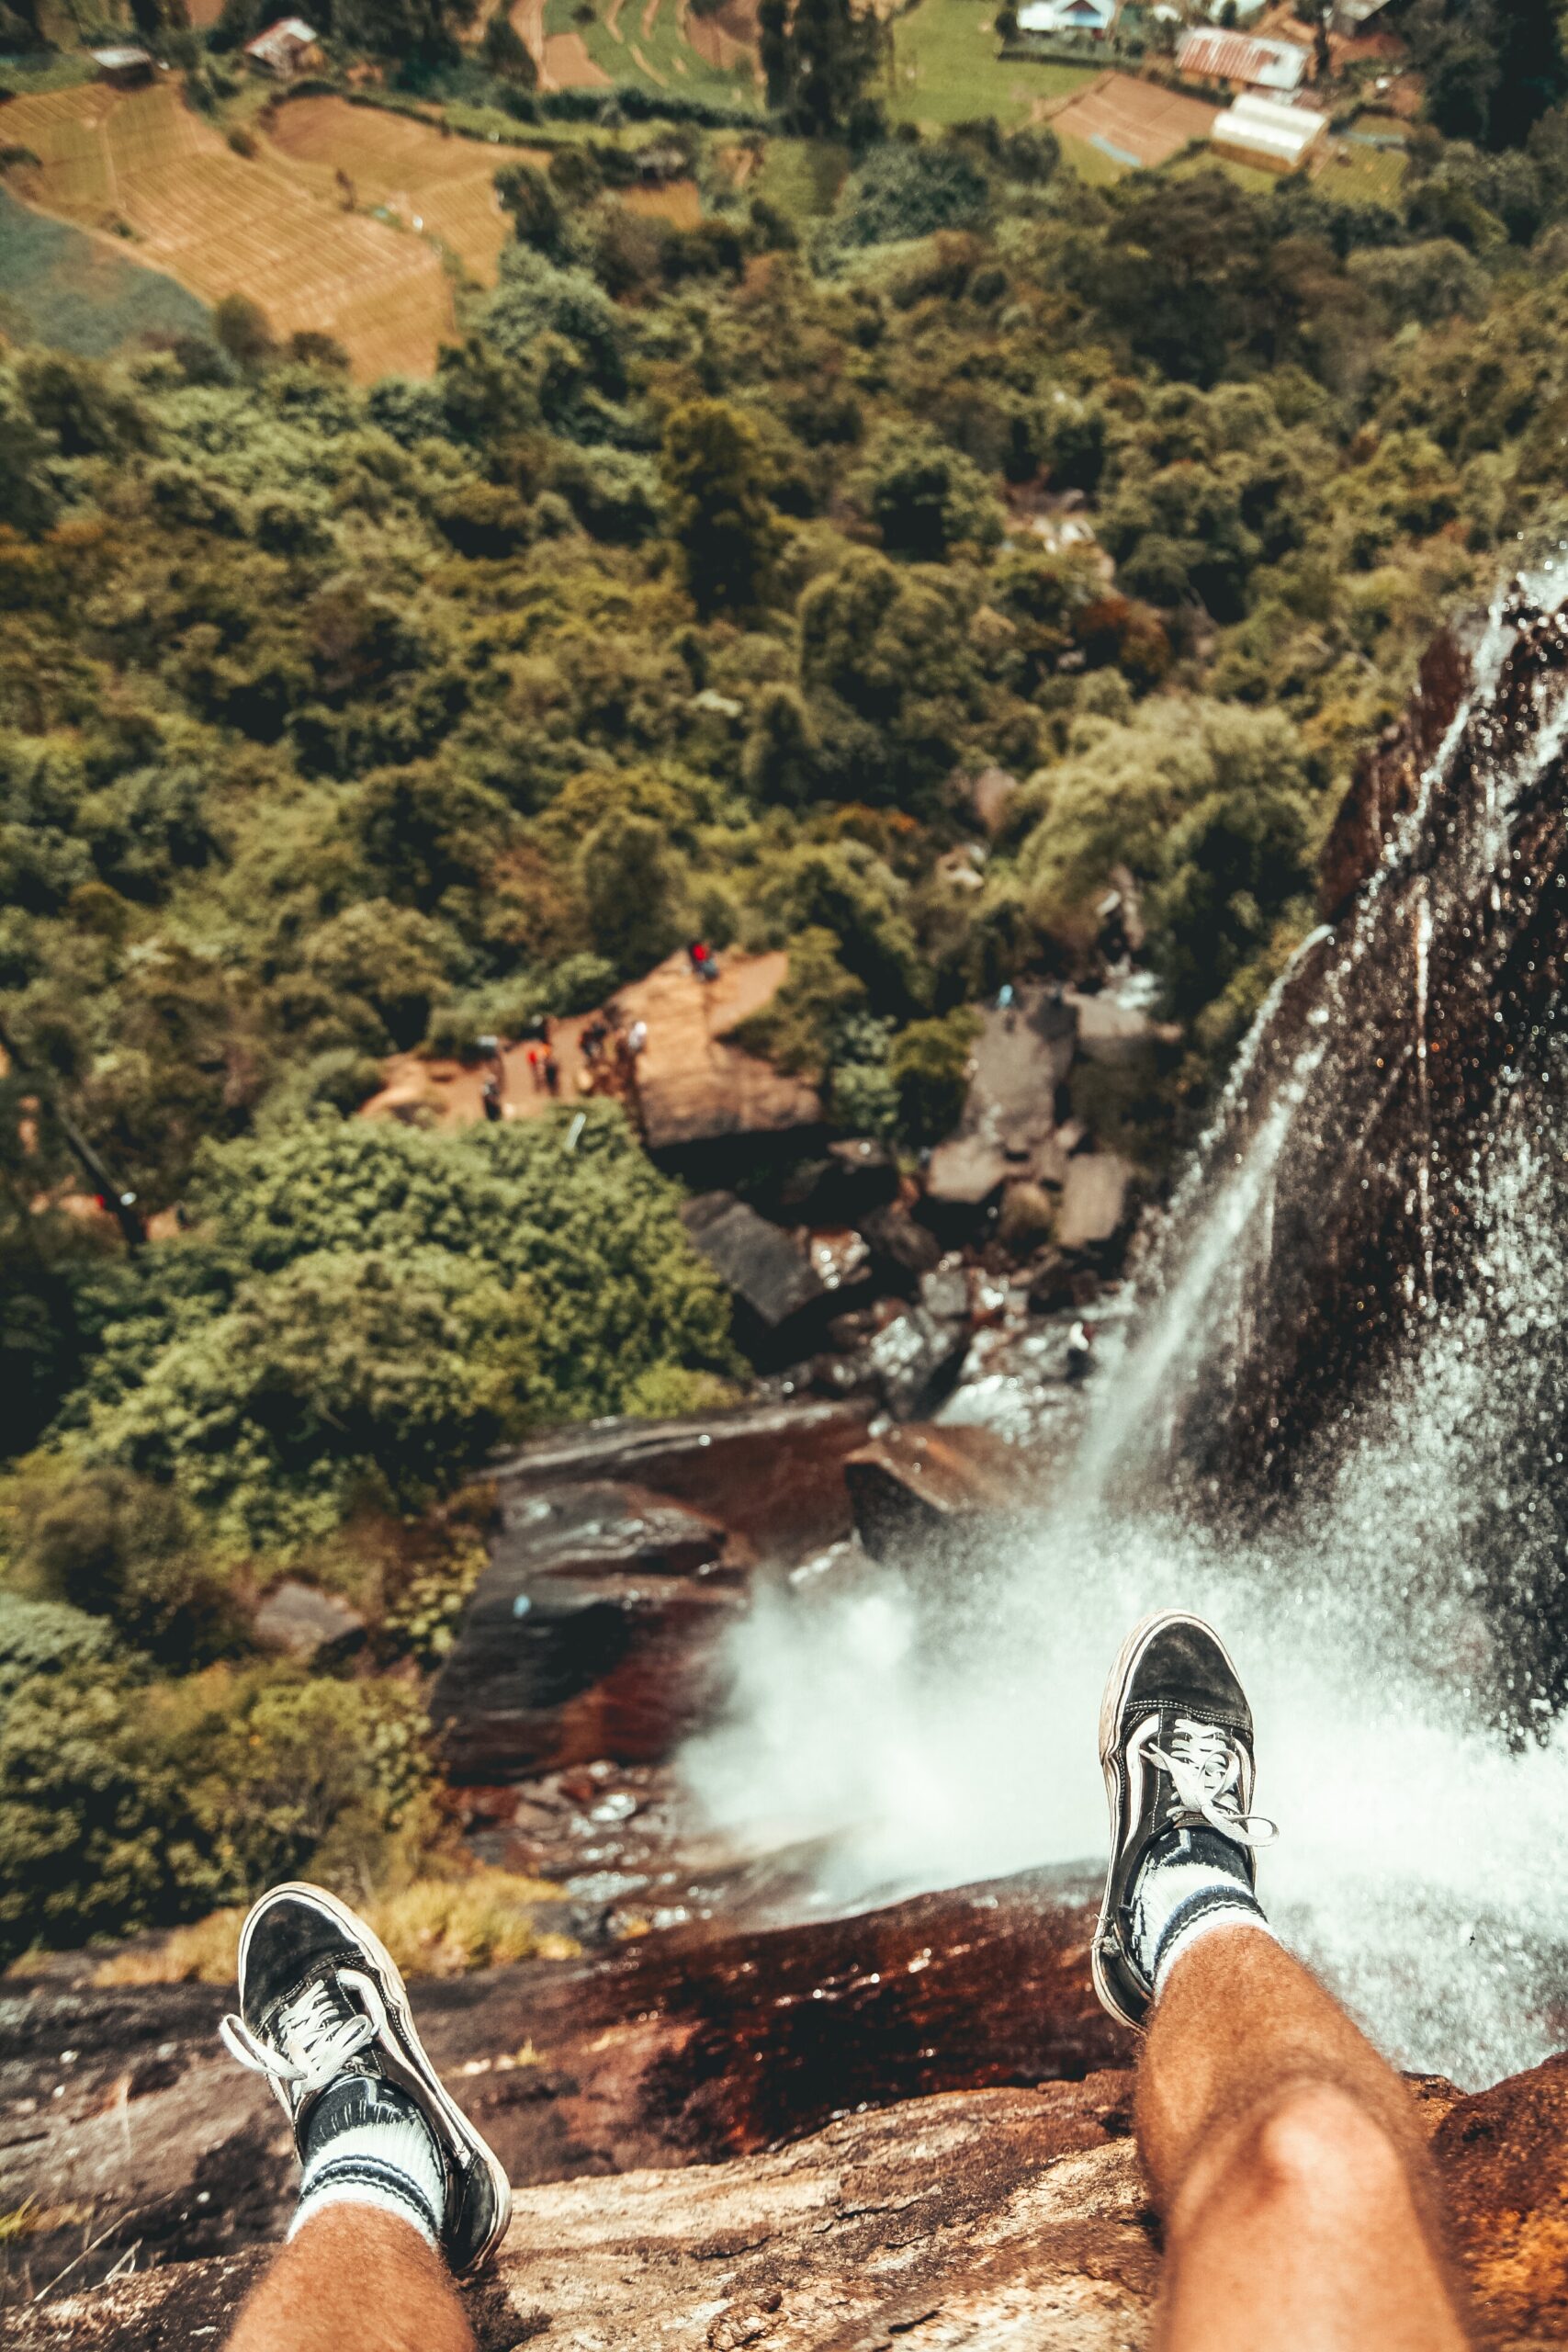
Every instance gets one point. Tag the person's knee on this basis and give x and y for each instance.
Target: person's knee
(1321, 2145)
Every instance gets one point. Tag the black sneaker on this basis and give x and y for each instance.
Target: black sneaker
(323, 2004)
(1176, 1749)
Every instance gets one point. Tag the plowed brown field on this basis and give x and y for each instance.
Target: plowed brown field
(444, 185)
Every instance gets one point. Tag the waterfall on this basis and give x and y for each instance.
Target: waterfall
(1338, 1427)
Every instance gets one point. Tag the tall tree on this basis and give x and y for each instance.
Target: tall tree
(726, 527)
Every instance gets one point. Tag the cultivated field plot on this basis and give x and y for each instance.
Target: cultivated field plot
(656, 42)
(1133, 123)
(221, 224)
(443, 186)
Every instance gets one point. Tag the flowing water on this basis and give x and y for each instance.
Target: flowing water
(1387, 1605)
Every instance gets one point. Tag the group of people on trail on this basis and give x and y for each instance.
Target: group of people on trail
(1291, 2172)
(610, 1051)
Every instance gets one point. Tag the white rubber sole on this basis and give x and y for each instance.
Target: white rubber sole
(461, 2131)
(1114, 1700)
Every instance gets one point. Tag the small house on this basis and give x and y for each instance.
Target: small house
(1245, 60)
(123, 69)
(286, 48)
(1048, 19)
(1353, 18)
(1268, 136)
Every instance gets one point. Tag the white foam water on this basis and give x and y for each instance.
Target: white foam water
(925, 1731)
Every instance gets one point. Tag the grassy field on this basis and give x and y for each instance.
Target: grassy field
(222, 224)
(1356, 174)
(59, 287)
(945, 68)
(802, 177)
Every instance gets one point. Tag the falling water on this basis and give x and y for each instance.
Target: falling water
(1386, 1601)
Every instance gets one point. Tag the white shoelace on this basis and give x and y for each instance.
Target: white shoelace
(317, 2043)
(1204, 1764)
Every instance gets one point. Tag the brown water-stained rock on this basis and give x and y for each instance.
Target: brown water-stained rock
(773, 1473)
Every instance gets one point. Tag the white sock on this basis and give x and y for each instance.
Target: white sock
(368, 2144)
(1184, 1891)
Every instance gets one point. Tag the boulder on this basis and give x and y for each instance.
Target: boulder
(902, 1248)
(1096, 1200)
(915, 1486)
(299, 1619)
(1012, 2218)
(1021, 1060)
(944, 1292)
(773, 1473)
(594, 1632)
(1115, 1033)
(965, 1170)
(765, 1269)
(916, 1359)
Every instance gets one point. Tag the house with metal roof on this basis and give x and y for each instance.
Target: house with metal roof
(285, 49)
(1244, 60)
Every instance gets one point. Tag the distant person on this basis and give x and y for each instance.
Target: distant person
(552, 1072)
(490, 1098)
(703, 961)
(1080, 1349)
(636, 1039)
(1299, 2207)
(536, 1067)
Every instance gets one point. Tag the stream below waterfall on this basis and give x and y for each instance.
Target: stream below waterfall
(930, 1728)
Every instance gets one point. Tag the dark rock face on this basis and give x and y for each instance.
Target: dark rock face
(594, 1632)
(1409, 1073)
(1388, 776)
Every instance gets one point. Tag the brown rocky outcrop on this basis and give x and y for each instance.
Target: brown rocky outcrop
(1010, 2218)
(772, 1473)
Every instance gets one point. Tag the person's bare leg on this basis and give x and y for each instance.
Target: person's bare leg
(1284, 2153)
(1288, 2165)
(354, 2279)
(399, 2195)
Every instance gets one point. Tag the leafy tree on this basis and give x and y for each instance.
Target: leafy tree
(243, 331)
(924, 496)
(506, 53)
(902, 191)
(633, 890)
(725, 527)
(820, 62)
(928, 1064)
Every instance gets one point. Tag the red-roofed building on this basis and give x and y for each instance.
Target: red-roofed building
(1242, 61)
